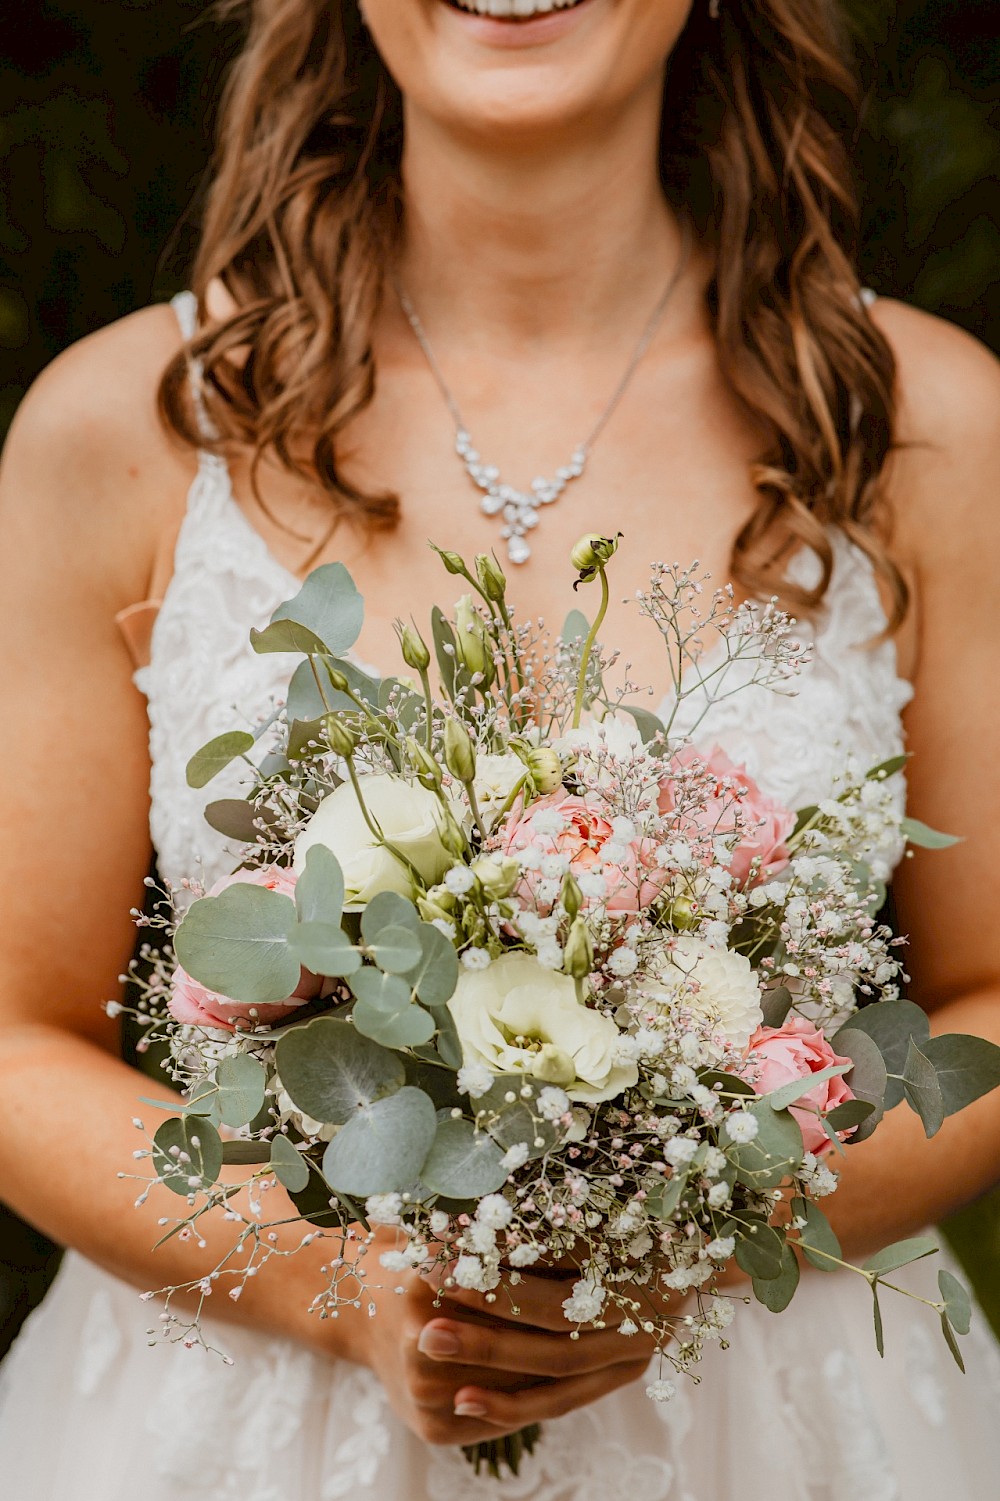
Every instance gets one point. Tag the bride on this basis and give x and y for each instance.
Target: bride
(450, 245)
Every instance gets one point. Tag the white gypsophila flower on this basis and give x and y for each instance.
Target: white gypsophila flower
(628, 1327)
(403, 1261)
(480, 1238)
(475, 1080)
(741, 1127)
(469, 1272)
(552, 1103)
(592, 885)
(447, 928)
(518, 1017)
(722, 1247)
(650, 1044)
(716, 932)
(495, 1212)
(718, 1195)
(579, 1130)
(640, 1245)
(531, 857)
(549, 954)
(494, 783)
(534, 928)
(722, 1312)
(384, 1209)
(548, 822)
(554, 867)
(622, 963)
(683, 1278)
(716, 983)
(661, 1391)
(586, 1301)
(410, 818)
(623, 828)
(515, 1157)
(459, 880)
(714, 1162)
(522, 1256)
(440, 1221)
(476, 959)
(680, 1150)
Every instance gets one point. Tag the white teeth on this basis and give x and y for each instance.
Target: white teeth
(502, 8)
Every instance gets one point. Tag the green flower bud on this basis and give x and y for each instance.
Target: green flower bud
(415, 653)
(571, 895)
(682, 914)
(472, 645)
(545, 767)
(593, 551)
(492, 579)
(341, 740)
(438, 904)
(459, 751)
(496, 875)
(338, 681)
(578, 955)
(451, 834)
(553, 1066)
(424, 764)
(452, 561)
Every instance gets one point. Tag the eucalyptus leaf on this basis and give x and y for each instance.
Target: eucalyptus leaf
(804, 817)
(775, 1152)
(957, 1303)
(305, 738)
(777, 1292)
(387, 1012)
(236, 943)
(216, 756)
(435, 975)
(647, 724)
(195, 1138)
(383, 1147)
(330, 1071)
(307, 702)
(918, 833)
(388, 909)
(868, 1078)
(761, 1253)
(237, 819)
(877, 1315)
(286, 636)
(319, 890)
(448, 1046)
(463, 1163)
(329, 606)
(788, 1094)
(444, 649)
(891, 1258)
(952, 1342)
(324, 949)
(515, 1125)
(817, 1240)
(576, 628)
(396, 950)
(887, 768)
(664, 1200)
(318, 1206)
(890, 1025)
(776, 1004)
(726, 1084)
(244, 1153)
(967, 1068)
(241, 1082)
(850, 1114)
(922, 1090)
(290, 1167)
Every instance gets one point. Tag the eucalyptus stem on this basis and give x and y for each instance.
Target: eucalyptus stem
(474, 805)
(373, 826)
(588, 647)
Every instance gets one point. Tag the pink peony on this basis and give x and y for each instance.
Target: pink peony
(633, 881)
(195, 1004)
(779, 1055)
(764, 823)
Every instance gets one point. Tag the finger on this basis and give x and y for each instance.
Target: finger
(538, 1302)
(532, 1353)
(539, 1404)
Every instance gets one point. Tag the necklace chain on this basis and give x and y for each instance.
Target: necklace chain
(519, 510)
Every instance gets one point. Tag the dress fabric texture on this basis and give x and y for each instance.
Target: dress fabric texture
(799, 1408)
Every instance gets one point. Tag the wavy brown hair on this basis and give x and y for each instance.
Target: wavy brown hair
(304, 210)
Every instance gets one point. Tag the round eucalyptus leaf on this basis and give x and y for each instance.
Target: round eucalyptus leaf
(244, 1153)
(216, 756)
(515, 1125)
(890, 1025)
(290, 1167)
(957, 1303)
(286, 636)
(463, 1163)
(237, 819)
(435, 975)
(775, 1152)
(761, 1254)
(236, 943)
(868, 1078)
(329, 606)
(240, 1081)
(922, 1090)
(324, 948)
(319, 890)
(388, 909)
(967, 1067)
(397, 949)
(192, 1138)
(330, 1071)
(819, 1244)
(383, 1146)
(777, 1292)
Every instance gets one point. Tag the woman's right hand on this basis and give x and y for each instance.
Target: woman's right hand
(456, 1374)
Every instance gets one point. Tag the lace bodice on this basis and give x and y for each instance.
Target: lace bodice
(203, 678)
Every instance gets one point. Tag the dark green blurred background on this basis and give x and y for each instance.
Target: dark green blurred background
(105, 122)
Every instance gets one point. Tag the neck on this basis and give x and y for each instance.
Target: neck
(544, 244)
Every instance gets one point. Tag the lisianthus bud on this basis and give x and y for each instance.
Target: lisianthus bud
(571, 895)
(471, 642)
(578, 955)
(426, 767)
(593, 552)
(338, 680)
(682, 914)
(492, 579)
(545, 767)
(459, 751)
(496, 875)
(452, 561)
(339, 737)
(415, 653)
(451, 835)
(438, 904)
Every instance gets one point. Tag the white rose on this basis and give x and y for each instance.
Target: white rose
(495, 780)
(518, 1018)
(408, 815)
(715, 982)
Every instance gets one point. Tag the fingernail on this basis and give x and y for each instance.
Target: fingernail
(470, 1410)
(438, 1342)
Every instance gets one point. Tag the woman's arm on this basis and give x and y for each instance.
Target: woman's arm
(946, 499)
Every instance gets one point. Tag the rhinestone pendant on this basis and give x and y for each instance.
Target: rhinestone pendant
(518, 508)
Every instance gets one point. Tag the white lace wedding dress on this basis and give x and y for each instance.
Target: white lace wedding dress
(800, 1408)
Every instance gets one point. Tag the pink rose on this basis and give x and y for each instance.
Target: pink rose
(779, 1055)
(764, 823)
(193, 1003)
(633, 880)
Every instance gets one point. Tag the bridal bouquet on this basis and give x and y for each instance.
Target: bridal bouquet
(514, 973)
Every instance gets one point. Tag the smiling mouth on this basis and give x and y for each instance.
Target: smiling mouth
(513, 10)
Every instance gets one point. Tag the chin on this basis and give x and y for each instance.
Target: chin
(513, 67)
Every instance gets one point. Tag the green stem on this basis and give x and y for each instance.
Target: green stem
(425, 683)
(588, 647)
(374, 828)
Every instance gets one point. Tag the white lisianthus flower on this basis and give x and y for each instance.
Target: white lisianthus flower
(716, 982)
(495, 780)
(410, 819)
(518, 1018)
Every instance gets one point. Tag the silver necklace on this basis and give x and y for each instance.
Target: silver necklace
(519, 509)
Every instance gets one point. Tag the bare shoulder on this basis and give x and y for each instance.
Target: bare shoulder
(944, 477)
(88, 464)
